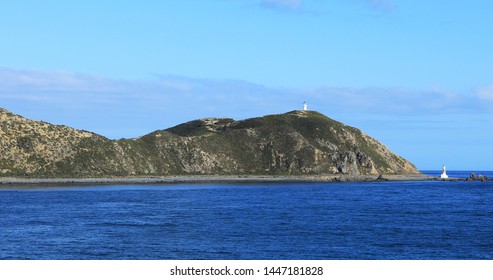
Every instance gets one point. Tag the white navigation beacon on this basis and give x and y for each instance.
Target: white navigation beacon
(444, 173)
(305, 106)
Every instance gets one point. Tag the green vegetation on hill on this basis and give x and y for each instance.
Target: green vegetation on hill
(294, 143)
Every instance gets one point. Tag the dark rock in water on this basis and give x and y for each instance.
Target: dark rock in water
(381, 178)
(474, 177)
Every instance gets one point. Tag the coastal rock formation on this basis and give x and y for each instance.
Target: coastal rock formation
(294, 143)
(474, 177)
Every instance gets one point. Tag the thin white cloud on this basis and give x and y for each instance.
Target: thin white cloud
(295, 5)
(65, 87)
(55, 80)
(382, 5)
(485, 93)
(134, 107)
(281, 4)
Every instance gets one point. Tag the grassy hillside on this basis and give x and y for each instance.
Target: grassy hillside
(295, 143)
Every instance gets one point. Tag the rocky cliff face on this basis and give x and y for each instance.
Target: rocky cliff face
(295, 143)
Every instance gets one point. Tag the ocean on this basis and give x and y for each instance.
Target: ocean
(370, 220)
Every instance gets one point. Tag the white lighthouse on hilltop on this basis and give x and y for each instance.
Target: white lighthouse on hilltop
(305, 106)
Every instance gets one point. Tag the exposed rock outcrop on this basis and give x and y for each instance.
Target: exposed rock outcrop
(474, 177)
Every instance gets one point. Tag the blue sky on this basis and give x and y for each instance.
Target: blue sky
(415, 75)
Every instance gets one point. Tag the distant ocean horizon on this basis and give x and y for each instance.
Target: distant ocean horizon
(367, 220)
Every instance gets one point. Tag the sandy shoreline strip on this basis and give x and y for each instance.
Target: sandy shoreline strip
(204, 179)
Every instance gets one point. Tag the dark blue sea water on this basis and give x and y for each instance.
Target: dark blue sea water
(384, 220)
